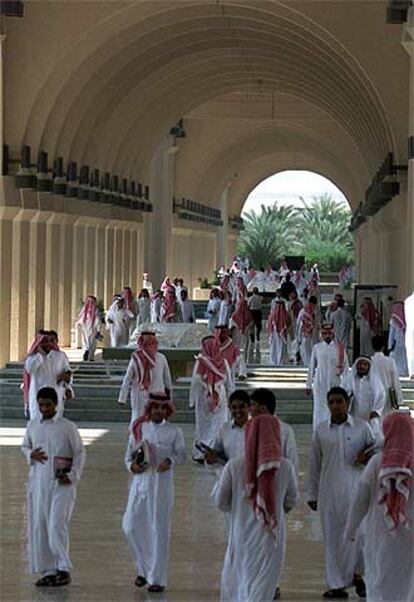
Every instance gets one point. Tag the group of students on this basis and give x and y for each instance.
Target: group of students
(366, 513)
(126, 316)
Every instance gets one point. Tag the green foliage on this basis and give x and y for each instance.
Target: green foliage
(318, 230)
(268, 236)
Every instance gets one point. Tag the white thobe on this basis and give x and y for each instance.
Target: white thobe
(90, 330)
(132, 383)
(208, 421)
(43, 370)
(324, 361)
(148, 285)
(119, 329)
(365, 336)
(238, 368)
(409, 333)
(388, 555)
(230, 441)
(333, 478)
(306, 343)
(368, 394)
(144, 311)
(213, 311)
(341, 321)
(49, 503)
(241, 339)
(187, 311)
(224, 313)
(155, 310)
(278, 347)
(386, 371)
(396, 342)
(252, 564)
(147, 519)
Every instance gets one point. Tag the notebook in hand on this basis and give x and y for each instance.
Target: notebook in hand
(61, 465)
(141, 456)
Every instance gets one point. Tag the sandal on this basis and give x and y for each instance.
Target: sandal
(62, 578)
(337, 594)
(140, 581)
(155, 589)
(360, 589)
(46, 581)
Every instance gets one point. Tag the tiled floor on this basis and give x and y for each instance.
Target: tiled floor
(103, 568)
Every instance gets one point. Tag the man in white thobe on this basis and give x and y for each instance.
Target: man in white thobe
(118, 319)
(409, 333)
(187, 308)
(54, 451)
(147, 372)
(327, 364)
(89, 320)
(46, 366)
(338, 449)
(367, 390)
(341, 320)
(146, 283)
(387, 372)
(387, 514)
(147, 519)
(213, 309)
(252, 563)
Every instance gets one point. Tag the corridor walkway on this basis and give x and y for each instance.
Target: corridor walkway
(103, 568)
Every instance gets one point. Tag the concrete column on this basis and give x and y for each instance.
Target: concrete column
(2, 51)
(118, 259)
(99, 275)
(7, 215)
(78, 253)
(126, 263)
(408, 43)
(162, 193)
(53, 235)
(223, 232)
(37, 273)
(89, 259)
(65, 317)
(109, 264)
(20, 284)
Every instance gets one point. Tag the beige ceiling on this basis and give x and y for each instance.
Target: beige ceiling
(262, 86)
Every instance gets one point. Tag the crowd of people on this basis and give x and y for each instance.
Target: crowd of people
(361, 461)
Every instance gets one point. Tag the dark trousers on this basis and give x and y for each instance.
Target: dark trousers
(257, 324)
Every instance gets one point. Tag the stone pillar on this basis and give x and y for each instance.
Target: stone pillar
(7, 215)
(89, 259)
(20, 284)
(2, 48)
(78, 253)
(162, 193)
(109, 264)
(52, 275)
(65, 317)
(223, 232)
(100, 257)
(37, 262)
(408, 43)
(118, 259)
(126, 273)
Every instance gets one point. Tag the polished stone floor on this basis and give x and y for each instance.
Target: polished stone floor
(103, 570)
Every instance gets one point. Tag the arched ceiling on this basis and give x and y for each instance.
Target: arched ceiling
(109, 79)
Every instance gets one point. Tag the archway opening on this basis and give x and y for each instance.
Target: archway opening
(297, 213)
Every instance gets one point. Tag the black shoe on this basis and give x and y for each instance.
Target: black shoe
(62, 578)
(337, 594)
(85, 356)
(140, 581)
(198, 461)
(156, 589)
(47, 581)
(360, 587)
(277, 594)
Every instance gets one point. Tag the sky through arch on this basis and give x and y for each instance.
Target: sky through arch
(287, 186)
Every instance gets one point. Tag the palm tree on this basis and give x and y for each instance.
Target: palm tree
(325, 236)
(269, 235)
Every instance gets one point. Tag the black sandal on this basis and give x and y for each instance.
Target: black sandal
(62, 578)
(46, 581)
(155, 589)
(360, 587)
(140, 581)
(336, 594)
